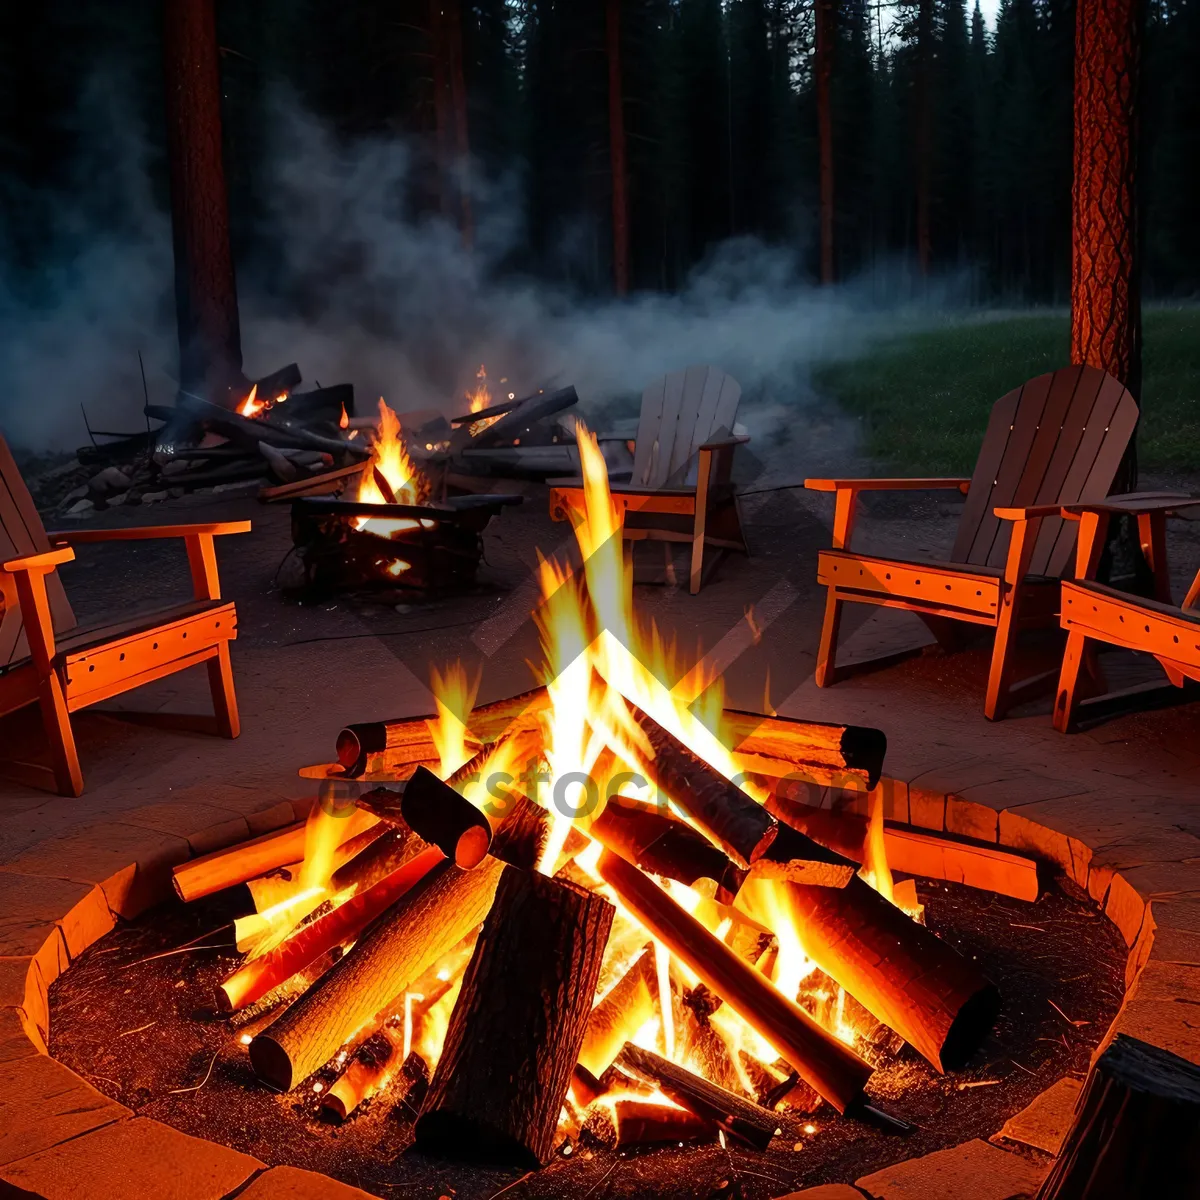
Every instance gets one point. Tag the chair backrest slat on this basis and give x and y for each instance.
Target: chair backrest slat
(679, 414)
(1058, 439)
(21, 533)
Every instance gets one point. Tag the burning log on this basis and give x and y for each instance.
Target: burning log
(632, 1121)
(256, 978)
(247, 860)
(369, 1072)
(437, 813)
(728, 817)
(519, 1022)
(1136, 1130)
(901, 972)
(628, 1005)
(663, 846)
(417, 929)
(370, 745)
(854, 747)
(831, 1067)
(742, 1119)
(522, 415)
(792, 856)
(914, 853)
(387, 853)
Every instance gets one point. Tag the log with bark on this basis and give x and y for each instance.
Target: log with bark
(795, 856)
(385, 854)
(741, 1119)
(517, 420)
(857, 748)
(373, 745)
(323, 483)
(742, 828)
(1136, 1130)
(257, 977)
(518, 1025)
(663, 846)
(830, 1066)
(901, 972)
(417, 929)
(247, 860)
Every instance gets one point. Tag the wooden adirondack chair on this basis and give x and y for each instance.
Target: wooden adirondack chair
(1093, 612)
(1056, 440)
(47, 658)
(681, 489)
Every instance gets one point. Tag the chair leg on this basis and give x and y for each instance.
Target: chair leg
(57, 721)
(1066, 698)
(996, 703)
(824, 674)
(220, 681)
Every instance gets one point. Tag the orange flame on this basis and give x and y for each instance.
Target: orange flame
(252, 405)
(455, 697)
(344, 419)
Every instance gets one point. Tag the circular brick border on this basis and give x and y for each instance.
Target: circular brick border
(62, 1133)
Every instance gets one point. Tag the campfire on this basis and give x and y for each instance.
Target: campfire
(392, 535)
(591, 906)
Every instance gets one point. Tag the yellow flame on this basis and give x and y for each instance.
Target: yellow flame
(390, 458)
(454, 694)
(875, 865)
(252, 405)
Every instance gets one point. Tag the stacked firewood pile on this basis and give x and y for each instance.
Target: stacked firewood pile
(513, 983)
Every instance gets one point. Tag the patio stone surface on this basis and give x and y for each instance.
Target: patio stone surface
(133, 1158)
(1044, 1123)
(42, 1103)
(1116, 809)
(972, 1171)
(291, 1183)
(827, 1191)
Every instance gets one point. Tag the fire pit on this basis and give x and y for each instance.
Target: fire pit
(604, 914)
(392, 537)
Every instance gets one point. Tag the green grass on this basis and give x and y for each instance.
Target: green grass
(924, 397)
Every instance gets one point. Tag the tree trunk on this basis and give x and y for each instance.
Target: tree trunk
(210, 344)
(616, 141)
(824, 68)
(1106, 310)
(452, 25)
(924, 144)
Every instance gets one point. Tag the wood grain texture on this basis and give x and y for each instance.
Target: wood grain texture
(415, 931)
(519, 1023)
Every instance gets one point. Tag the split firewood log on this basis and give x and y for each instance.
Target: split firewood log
(247, 860)
(519, 1023)
(898, 970)
(626, 1007)
(826, 1063)
(856, 748)
(257, 977)
(663, 846)
(416, 930)
(375, 745)
(742, 828)
(741, 1119)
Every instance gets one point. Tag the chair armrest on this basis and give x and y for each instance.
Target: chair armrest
(1134, 504)
(144, 532)
(885, 485)
(722, 443)
(38, 563)
(1029, 513)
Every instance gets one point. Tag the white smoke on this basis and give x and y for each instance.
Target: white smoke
(361, 292)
